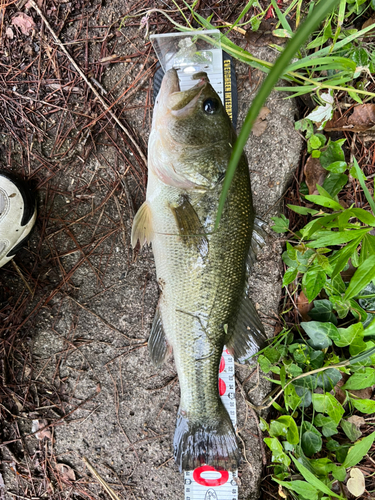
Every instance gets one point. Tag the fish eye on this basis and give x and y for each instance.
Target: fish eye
(211, 106)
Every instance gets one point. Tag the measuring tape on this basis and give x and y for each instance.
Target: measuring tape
(205, 482)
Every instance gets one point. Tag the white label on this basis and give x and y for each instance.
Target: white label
(205, 482)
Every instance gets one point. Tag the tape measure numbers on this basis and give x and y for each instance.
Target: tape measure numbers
(205, 482)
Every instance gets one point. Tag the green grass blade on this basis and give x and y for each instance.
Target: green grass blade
(342, 43)
(243, 13)
(312, 479)
(340, 20)
(342, 62)
(361, 179)
(311, 23)
(282, 18)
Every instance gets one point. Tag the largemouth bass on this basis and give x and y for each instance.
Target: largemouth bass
(201, 272)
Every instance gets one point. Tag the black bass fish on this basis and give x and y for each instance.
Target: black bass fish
(201, 272)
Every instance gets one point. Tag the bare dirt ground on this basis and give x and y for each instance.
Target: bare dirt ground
(76, 310)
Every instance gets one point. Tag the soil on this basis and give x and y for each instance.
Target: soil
(76, 347)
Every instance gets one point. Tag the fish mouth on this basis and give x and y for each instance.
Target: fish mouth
(180, 103)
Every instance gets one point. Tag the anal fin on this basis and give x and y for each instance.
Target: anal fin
(258, 241)
(246, 332)
(142, 226)
(157, 342)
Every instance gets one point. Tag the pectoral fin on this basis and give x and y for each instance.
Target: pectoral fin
(157, 342)
(246, 332)
(142, 226)
(189, 226)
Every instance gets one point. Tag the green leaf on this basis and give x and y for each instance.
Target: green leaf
(321, 466)
(339, 472)
(289, 276)
(272, 353)
(328, 425)
(263, 425)
(360, 57)
(326, 403)
(342, 452)
(341, 306)
(255, 23)
(302, 210)
(340, 259)
(333, 183)
(362, 277)
(264, 363)
(324, 201)
(350, 430)
(314, 142)
(285, 426)
(304, 394)
(357, 311)
(364, 405)
(363, 216)
(329, 429)
(357, 346)
(312, 283)
(316, 359)
(278, 454)
(319, 333)
(333, 153)
(302, 488)
(360, 380)
(281, 224)
(328, 379)
(323, 262)
(337, 167)
(358, 451)
(322, 311)
(347, 335)
(311, 443)
(313, 480)
(291, 398)
(338, 238)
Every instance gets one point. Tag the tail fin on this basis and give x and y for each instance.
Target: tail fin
(212, 442)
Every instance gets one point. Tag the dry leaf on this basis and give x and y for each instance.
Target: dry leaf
(260, 123)
(24, 22)
(314, 174)
(369, 22)
(303, 306)
(281, 492)
(361, 120)
(356, 482)
(9, 33)
(363, 116)
(340, 395)
(357, 421)
(67, 474)
(40, 424)
(362, 393)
